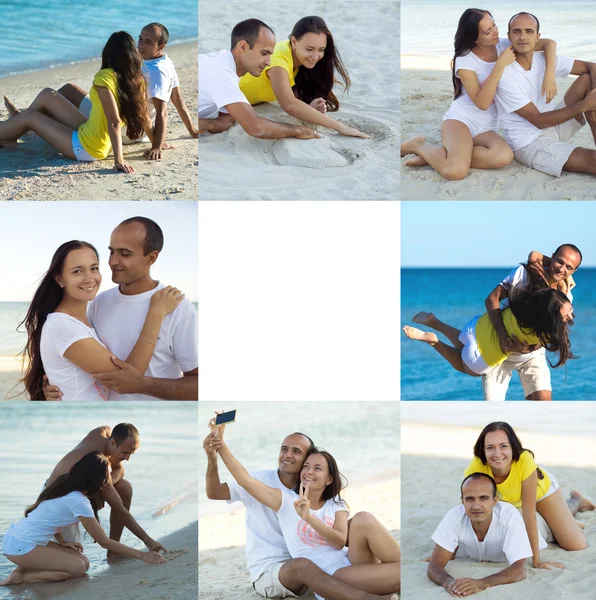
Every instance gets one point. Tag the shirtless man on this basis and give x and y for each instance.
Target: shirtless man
(118, 444)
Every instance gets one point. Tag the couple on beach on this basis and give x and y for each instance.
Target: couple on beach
(501, 481)
(528, 314)
(133, 88)
(297, 526)
(80, 484)
(299, 73)
(136, 341)
(510, 83)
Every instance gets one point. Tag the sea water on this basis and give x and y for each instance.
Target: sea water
(458, 295)
(34, 436)
(38, 34)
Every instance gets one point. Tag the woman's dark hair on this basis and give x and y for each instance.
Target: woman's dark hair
(514, 442)
(465, 39)
(46, 299)
(339, 483)
(88, 476)
(538, 311)
(318, 81)
(120, 54)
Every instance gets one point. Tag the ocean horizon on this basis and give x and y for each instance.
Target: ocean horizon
(456, 296)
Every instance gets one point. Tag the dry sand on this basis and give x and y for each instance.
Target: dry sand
(431, 488)
(222, 562)
(331, 168)
(427, 93)
(35, 171)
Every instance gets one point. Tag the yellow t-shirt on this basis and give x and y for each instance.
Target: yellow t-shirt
(258, 89)
(488, 340)
(93, 134)
(511, 490)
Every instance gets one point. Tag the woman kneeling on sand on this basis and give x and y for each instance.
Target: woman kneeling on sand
(71, 499)
(62, 343)
(314, 524)
(498, 452)
(301, 76)
(117, 96)
(538, 318)
(469, 135)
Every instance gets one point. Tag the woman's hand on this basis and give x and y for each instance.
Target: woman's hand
(549, 86)
(73, 545)
(548, 565)
(320, 105)
(217, 430)
(153, 557)
(302, 504)
(123, 168)
(166, 300)
(345, 130)
(506, 57)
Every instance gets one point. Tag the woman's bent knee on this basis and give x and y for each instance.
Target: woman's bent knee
(455, 172)
(78, 569)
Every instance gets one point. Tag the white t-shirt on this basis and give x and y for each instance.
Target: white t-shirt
(505, 541)
(59, 332)
(483, 69)
(265, 545)
(51, 516)
(119, 319)
(519, 87)
(218, 84)
(161, 78)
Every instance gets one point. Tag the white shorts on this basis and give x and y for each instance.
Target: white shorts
(470, 354)
(534, 375)
(85, 106)
(269, 586)
(476, 126)
(79, 151)
(550, 151)
(15, 547)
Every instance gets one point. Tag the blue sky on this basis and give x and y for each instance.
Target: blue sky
(493, 234)
(30, 233)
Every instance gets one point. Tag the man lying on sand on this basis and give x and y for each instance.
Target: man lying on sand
(483, 529)
(220, 100)
(539, 137)
(274, 574)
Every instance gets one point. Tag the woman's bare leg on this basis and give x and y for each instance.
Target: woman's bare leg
(370, 542)
(577, 503)
(430, 320)
(559, 518)
(73, 93)
(372, 578)
(59, 108)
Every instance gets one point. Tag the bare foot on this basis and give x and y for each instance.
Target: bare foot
(418, 161)
(584, 503)
(13, 579)
(13, 111)
(412, 145)
(419, 335)
(425, 318)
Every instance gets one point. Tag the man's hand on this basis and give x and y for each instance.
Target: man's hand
(126, 381)
(590, 116)
(153, 154)
(51, 392)
(464, 586)
(154, 546)
(589, 102)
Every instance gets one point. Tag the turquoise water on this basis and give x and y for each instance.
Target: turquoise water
(41, 33)
(456, 296)
(36, 435)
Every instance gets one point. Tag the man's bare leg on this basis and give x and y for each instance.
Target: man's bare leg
(429, 319)
(124, 489)
(449, 353)
(577, 503)
(298, 572)
(73, 93)
(540, 395)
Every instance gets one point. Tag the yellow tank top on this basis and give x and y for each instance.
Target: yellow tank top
(258, 89)
(93, 134)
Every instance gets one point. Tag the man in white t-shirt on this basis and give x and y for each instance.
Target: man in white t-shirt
(162, 86)
(273, 572)
(221, 102)
(531, 364)
(538, 134)
(483, 529)
(118, 315)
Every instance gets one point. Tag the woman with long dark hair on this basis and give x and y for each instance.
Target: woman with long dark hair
(314, 523)
(62, 344)
(117, 96)
(70, 499)
(537, 317)
(469, 135)
(498, 452)
(301, 76)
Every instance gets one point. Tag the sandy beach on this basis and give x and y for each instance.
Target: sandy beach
(331, 168)
(426, 96)
(35, 171)
(432, 473)
(222, 562)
